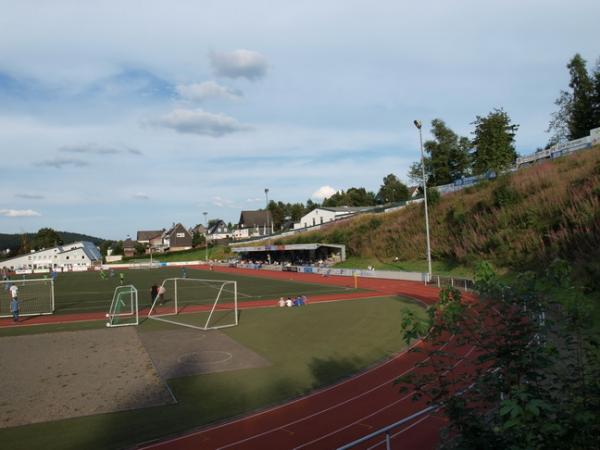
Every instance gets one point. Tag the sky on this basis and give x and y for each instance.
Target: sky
(118, 116)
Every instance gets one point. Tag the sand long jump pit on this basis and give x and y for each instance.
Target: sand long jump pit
(69, 374)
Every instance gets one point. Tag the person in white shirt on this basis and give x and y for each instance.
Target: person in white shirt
(14, 291)
(281, 302)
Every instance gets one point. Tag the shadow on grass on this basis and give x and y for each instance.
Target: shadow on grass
(330, 370)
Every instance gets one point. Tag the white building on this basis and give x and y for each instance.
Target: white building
(75, 256)
(323, 215)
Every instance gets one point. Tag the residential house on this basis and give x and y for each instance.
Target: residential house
(128, 247)
(218, 231)
(177, 238)
(254, 223)
(151, 239)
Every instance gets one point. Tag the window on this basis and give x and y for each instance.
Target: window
(180, 235)
(67, 257)
(314, 223)
(321, 219)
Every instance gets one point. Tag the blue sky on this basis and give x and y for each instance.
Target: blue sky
(116, 117)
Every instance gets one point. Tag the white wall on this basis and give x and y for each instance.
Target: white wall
(317, 217)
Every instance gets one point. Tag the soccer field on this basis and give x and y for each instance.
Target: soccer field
(88, 292)
(298, 350)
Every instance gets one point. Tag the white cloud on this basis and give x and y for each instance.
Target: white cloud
(95, 149)
(222, 202)
(197, 121)
(239, 64)
(141, 196)
(29, 196)
(324, 192)
(254, 200)
(208, 90)
(19, 213)
(59, 163)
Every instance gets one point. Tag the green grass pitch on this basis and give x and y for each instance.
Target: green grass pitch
(87, 292)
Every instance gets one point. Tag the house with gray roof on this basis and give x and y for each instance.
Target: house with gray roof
(254, 223)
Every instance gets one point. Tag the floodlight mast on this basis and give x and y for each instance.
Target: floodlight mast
(206, 237)
(267, 208)
(419, 125)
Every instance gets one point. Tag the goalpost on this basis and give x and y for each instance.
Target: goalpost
(197, 303)
(36, 296)
(123, 309)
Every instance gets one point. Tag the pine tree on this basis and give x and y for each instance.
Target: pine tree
(581, 119)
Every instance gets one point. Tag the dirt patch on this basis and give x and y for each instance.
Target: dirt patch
(61, 375)
(185, 351)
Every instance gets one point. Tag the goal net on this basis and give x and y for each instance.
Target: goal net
(196, 303)
(36, 296)
(123, 308)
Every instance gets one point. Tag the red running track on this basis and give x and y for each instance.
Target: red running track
(330, 417)
(336, 415)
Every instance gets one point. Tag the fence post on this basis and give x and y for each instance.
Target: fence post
(439, 285)
(388, 441)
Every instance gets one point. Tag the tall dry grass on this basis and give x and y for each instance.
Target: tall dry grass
(522, 221)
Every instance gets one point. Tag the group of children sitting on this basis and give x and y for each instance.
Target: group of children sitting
(300, 300)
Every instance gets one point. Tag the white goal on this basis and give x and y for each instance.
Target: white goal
(196, 303)
(36, 296)
(124, 307)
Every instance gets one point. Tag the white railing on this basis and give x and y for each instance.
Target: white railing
(387, 431)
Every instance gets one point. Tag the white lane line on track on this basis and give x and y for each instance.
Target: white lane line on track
(347, 400)
(368, 416)
(274, 408)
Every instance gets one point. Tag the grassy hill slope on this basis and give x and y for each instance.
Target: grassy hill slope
(520, 221)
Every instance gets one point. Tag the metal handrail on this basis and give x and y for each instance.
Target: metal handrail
(386, 430)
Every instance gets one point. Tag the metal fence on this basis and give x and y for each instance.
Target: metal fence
(465, 284)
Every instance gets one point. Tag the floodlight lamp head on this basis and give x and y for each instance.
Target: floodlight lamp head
(417, 124)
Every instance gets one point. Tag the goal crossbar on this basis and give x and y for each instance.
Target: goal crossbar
(124, 309)
(209, 307)
(35, 296)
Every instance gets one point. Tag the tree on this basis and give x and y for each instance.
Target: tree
(25, 245)
(278, 213)
(351, 197)
(140, 249)
(46, 238)
(596, 95)
(448, 154)
(494, 142)
(524, 371)
(117, 247)
(581, 119)
(392, 190)
(415, 173)
(198, 239)
(579, 108)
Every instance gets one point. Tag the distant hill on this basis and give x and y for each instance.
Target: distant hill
(13, 241)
